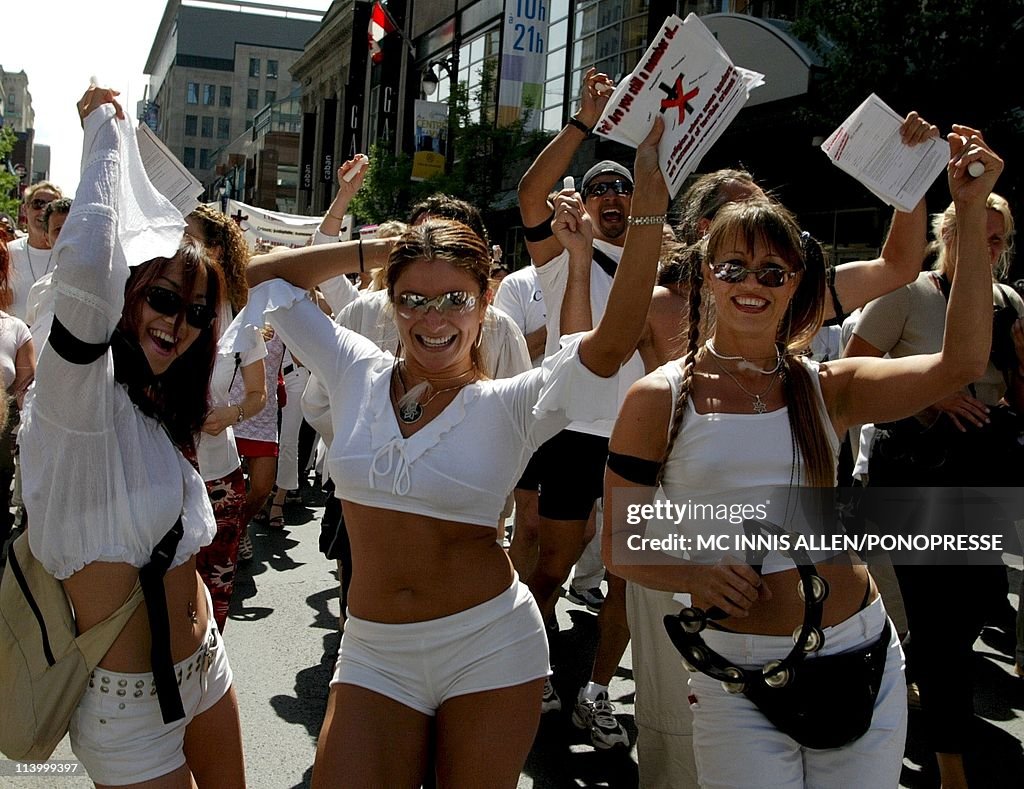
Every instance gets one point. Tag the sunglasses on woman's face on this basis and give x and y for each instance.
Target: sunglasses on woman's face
(171, 304)
(39, 203)
(457, 301)
(733, 272)
(619, 186)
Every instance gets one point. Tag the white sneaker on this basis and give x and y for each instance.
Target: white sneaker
(549, 702)
(599, 716)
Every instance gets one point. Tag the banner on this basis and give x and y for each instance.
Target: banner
(262, 227)
(308, 152)
(431, 139)
(523, 62)
(327, 163)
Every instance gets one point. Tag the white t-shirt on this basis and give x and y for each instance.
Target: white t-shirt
(28, 265)
(218, 455)
(554, 276)
(13, 334)
(521, 297)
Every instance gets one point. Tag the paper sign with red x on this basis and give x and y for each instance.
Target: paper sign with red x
(678, 97)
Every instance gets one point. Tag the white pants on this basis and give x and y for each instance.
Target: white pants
(737, 747)
(288, 438)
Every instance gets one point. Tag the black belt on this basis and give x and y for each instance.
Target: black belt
(151, 577)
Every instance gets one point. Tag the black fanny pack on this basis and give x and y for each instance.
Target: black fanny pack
(829, 701)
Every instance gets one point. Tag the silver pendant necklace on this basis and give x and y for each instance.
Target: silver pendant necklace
(760, 407)
(31, 265)
(411, 412)
(744, 362)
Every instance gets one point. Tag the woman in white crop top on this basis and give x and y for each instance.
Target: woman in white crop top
(742, 410)
(107, 445)
(425, 452)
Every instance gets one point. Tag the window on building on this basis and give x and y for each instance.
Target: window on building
(252, 99)
(192, 93)
(209, 95)
(225, 96)
(254, 67)
(207, 127)
(191, 125)
(204, 158)
(189, 158)
(223, 128)
(271, 96)
(271, 69)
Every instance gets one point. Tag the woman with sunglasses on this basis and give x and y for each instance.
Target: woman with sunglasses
(109, 472)
(241, 361)
(742, 411)
(441, 635)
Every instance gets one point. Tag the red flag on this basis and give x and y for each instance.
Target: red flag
(381, 24)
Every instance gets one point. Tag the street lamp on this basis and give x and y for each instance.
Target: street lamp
(223, 197)
(428, 84)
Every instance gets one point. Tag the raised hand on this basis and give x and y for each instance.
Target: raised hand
(96, 96)
(966, 146)
(572, 225)
(597, 89)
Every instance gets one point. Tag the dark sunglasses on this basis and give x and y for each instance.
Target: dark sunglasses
(167, 302)
(38, 203)
(619, 186)
(732, 271)
(458, 301)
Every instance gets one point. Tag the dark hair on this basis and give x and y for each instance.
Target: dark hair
(60, 206)
(222, 231)
(704, 198)
(442, 206)
(771, 224)
(178, 397)
(445, 240)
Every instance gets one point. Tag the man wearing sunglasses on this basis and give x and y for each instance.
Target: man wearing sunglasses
(572, 472)
(31, 256)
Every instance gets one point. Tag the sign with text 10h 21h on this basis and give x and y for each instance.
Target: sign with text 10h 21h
(523, 61)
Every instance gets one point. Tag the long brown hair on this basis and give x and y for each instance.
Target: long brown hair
(222, 231)
(772, 225)
(178, 397)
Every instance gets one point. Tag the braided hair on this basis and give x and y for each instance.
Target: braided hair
(771, 224)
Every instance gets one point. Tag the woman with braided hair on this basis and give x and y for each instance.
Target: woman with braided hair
(742, 411)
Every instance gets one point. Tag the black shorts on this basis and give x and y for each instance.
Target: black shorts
(571, 477)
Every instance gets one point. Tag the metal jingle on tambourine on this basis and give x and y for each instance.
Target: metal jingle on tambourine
(819, 588)
(778, 679)
(697, 655)
(693, 620)
(689, 666)
(738, 686)
(815, 638)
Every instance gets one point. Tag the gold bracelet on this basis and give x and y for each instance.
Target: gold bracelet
(653, 219)
(332, 216)
(241, 415)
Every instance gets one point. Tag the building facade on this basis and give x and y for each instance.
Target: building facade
(214, 65)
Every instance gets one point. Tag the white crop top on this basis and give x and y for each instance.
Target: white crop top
(102, 482)
(735, 459)
(462, 465)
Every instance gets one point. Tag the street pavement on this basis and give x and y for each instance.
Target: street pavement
(282, 637)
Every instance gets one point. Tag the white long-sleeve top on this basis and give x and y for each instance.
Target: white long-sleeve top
(102, 481)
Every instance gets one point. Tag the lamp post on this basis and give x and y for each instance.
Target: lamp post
(429, 82)
(223, 197)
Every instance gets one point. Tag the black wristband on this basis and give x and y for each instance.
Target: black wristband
(362, 269)
(539, 232)
(580, 125)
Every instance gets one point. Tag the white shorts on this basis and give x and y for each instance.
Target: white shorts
(736, 746)
(117, 730)
(497, 644)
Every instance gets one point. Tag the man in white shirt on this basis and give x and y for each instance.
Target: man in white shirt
(31, 257)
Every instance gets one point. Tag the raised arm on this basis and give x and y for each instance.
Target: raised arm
(554, 160)
(864, 389)
(615, 338)
(905, 245)
(330, 225)
(308, 267)
(574, 231)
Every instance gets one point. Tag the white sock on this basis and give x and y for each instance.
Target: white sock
(592, 690)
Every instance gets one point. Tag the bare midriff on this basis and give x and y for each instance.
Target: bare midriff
(413, 568)
(98, 589)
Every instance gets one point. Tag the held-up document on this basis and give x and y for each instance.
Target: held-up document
(688, 78)
(169, 176)
(868, 146)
